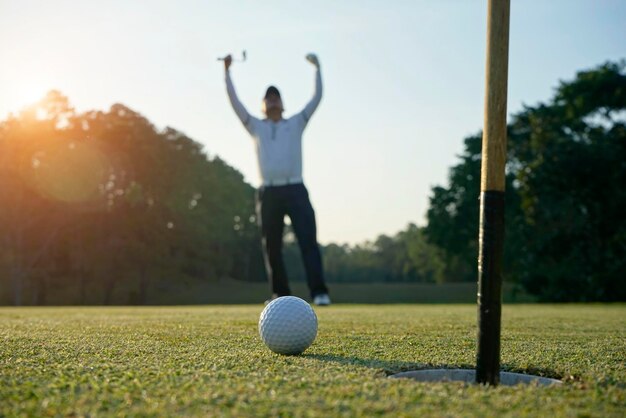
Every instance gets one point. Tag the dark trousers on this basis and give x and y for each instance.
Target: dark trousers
(273, 203)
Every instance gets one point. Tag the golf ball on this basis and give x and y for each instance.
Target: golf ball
(288, 325)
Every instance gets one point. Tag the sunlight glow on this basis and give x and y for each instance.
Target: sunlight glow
(28, 90)
(70, 173)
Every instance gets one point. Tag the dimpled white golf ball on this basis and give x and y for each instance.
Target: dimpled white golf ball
(288, 325)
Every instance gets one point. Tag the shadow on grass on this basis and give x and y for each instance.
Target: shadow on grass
(389, 367)
(386, 367)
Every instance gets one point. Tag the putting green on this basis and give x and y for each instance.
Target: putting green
(203, 361)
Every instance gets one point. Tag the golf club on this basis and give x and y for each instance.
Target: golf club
(243, 57)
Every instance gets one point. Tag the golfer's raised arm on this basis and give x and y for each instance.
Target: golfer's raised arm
(240, 110)
(317, 96)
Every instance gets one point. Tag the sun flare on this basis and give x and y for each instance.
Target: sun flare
(29, 92)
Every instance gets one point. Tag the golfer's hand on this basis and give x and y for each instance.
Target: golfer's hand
(228, 60)
(312, 58)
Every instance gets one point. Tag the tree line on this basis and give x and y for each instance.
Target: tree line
(565, 194)
(98, 203)
(96, 200)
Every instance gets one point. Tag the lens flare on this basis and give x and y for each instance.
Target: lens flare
(70, 172)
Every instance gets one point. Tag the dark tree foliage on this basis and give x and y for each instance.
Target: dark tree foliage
(453, 216)
(565, 198)
(404, 257)
(572, 158)
(102, 202)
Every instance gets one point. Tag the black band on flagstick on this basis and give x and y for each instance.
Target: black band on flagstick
(491, 239)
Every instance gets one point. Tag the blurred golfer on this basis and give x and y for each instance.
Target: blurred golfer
(278, 144)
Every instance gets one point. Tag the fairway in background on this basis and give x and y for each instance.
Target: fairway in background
(240, 292)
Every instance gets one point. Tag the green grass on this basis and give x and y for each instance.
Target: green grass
(230, 291)
(207, 361)
(233, 291)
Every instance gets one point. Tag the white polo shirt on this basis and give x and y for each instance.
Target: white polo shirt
(278, 144)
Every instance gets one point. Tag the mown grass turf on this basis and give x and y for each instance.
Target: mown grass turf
(207, 361)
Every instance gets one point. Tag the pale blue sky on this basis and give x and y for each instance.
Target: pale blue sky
(403, 80)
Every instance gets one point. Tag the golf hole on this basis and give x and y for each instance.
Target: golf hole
(469, 376)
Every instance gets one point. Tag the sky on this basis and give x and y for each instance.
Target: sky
(403, 80)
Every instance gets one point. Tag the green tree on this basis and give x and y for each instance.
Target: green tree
(104, 206)
(423, 261)
(453, 218)
(565, 229)
(570, 156)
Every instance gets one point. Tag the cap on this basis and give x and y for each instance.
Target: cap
(272, 90)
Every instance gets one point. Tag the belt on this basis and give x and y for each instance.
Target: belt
(282, 182)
